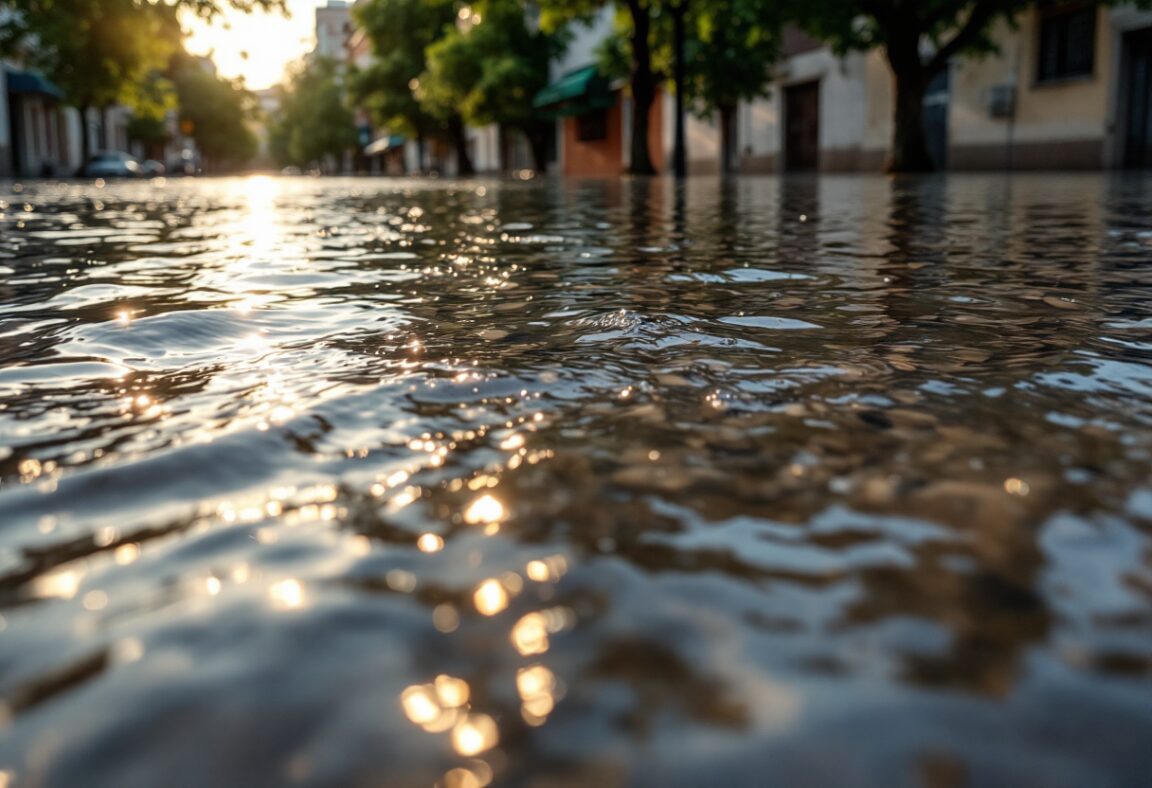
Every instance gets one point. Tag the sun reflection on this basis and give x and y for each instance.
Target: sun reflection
(475, 734)
(485, 510)
(286, 594)
(430, 543)
(62, 584)
(452, 692)
(530, 634)
(490, 597)
(537, 688)
(459, 778)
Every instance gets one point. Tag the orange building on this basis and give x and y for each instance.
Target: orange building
(595, 126)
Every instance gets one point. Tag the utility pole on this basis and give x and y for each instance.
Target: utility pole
(679, 152)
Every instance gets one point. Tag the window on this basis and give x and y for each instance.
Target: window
(1067, 41)
(592, 126)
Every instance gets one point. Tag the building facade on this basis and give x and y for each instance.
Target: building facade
(1069, 88)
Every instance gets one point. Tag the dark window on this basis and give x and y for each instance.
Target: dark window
(1067, 41)
(592, 126)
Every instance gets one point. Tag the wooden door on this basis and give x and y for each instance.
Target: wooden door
(802, 127)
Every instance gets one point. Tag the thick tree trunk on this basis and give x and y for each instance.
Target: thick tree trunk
(643, 89)
(679, 149)
(538, 142)
(727, 140)
(910, 78)
(464, 166)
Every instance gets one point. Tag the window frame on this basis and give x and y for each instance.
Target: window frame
(1062, 13)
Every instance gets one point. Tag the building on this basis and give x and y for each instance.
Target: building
(333, 24)
(1070, 88)
(593, 115)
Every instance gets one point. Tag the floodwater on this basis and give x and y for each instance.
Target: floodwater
(804, 483)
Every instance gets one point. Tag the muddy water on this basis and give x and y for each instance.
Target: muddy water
(840, 482)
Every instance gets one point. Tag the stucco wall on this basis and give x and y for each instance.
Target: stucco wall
(844, 109)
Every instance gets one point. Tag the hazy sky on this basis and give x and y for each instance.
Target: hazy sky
(270, 41)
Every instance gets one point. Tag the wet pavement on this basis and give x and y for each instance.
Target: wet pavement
(836, 482)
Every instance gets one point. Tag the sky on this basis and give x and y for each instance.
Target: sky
(270, 41)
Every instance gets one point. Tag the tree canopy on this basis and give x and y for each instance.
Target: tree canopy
(101, 52)
(400, 32)
(313, 123)
(489, 68)
(216, 112)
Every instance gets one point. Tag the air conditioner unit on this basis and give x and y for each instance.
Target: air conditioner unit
(1001, 100)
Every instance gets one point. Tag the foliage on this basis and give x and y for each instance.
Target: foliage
(313, 121)
(490, 67)
(730, 51)
(400, 32)
(216, 111)
(97, 51)
(151, 101)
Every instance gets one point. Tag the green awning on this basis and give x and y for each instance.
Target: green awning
(576, 93)
(31, 82)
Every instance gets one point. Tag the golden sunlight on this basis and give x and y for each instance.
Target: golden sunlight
(255, 46)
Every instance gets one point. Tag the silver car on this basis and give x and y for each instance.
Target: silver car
(110, 164)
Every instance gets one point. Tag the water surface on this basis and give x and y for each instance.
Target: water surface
(838, 482)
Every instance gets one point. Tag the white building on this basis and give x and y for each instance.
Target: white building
(333, 25)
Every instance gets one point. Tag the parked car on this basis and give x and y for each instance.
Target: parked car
(110, 164)
(184, 164)
(152, 168)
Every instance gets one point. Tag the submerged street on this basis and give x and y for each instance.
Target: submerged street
(768, 482)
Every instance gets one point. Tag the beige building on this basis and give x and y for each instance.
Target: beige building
(1069, 89)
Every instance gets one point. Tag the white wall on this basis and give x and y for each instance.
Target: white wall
(485, 147)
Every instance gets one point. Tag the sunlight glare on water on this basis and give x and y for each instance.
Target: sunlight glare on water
(806, 482)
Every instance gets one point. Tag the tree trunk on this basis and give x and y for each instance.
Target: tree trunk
(104, 128)
(85, 143)
(538, 141)
(679, 148)
(420, 144)
(502, 143)
(727, 139)
(643, 89)
(464, 166)
(910, 78)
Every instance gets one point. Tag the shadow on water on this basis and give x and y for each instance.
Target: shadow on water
(804, 481)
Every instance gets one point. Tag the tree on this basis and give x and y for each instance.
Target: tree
(731, 47)
(906, 31)
(636, 26)
(216, 111)
(98, 51)
(401, 31)
(314, 123)
(489, 69)
(154, 98)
